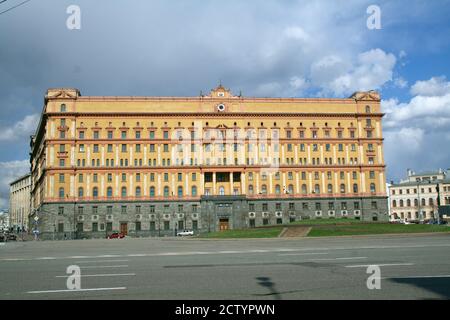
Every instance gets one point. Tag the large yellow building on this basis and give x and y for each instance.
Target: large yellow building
(149, 166)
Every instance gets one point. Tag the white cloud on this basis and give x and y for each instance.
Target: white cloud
(436, 86)
(371, 70)
(8, 172)
(417, 130)
(22, 128)
(400, 82)
(296, 33)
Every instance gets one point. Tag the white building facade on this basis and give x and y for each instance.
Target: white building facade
(416, 197)
(19, 202)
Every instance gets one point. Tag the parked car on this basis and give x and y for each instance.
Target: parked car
(185, 233)
(3, 237)
(11, 236)
(116, 235)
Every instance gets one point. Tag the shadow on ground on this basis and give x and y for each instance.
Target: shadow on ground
(438, 285)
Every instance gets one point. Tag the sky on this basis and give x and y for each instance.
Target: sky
(269, 48)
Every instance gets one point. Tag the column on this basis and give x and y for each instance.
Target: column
(202, 183)
(187, 184)
(243, 189)
(103, 156)
(231, 183)
(214, 184)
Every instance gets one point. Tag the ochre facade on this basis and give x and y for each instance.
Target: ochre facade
(146, 165)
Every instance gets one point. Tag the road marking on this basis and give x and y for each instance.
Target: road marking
(107, 256)
(46, 258)
(420, 277)
(380, 265)
(349, 258)
(101, 261)
(225, 252)
(101, 267)
(103, 275)
(80, 290)
(302, 254)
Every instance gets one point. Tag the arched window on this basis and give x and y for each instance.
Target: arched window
(408, 203)
(277, 189)
(367, 109)
(61, 193)
(180, 192)
(166, 192)
(63, 107)
(250, 189)
(355, 188)
(109, 192)
(138, 192)
(372, 188)
(95, 192)
(80, 192)
(394, 203)
(152, 192)
(317, 189)
(401, 203)
(290, 189)
(124, 192)
(221, 191)
(264, 189)
(416, 203)
(342, 188)
(304, 189)
(423, 202)
(430, 201)
(330, 188)
(194, 191)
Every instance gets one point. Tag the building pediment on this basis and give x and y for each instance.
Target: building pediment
(366, 96)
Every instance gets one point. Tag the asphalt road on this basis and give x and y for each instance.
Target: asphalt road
(412, 267)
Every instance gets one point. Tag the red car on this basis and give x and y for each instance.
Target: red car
(116, 235)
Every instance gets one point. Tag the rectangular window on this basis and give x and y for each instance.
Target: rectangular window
(95, 227)
(61, 210)
(96, 135)
(123, 134)
(110, 134)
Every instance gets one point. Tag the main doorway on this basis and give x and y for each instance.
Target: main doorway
(124, 228)
(224, 224)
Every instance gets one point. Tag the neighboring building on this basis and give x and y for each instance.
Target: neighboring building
(4, 220)
(19, 202)
(416, 197)
(148, 166)
(444, 192)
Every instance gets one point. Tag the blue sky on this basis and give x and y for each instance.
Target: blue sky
(264, 48)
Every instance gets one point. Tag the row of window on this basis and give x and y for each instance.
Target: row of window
(153, 225)
(194, 191)
(414, 190)
(124, 209)
(218, 161)
(219, 177)
(408, 203)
